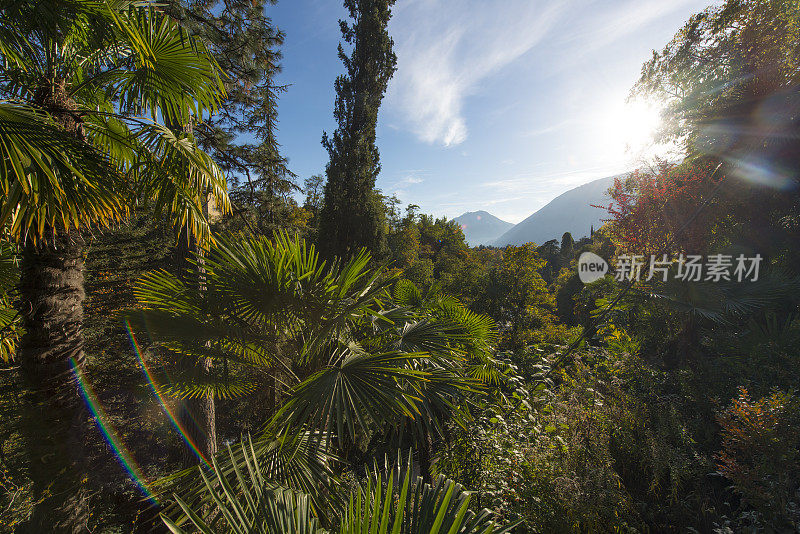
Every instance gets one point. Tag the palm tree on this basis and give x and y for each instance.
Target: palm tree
(354, 359)
(473, 336)
(391, 500)
(86, 89)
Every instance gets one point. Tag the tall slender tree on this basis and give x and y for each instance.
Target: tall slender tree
(353, 214)
(85, 85)
(246, 44)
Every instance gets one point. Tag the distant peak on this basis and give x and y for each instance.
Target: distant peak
(481, 227)
(480, 214)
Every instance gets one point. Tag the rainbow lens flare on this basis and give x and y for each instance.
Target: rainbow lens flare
(161, 396)
(110, 434)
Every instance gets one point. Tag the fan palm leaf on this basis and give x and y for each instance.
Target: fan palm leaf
(248, 502)
(74, 149)
(356, 391)
(293, 461)
(390, 501)
(408, 505)
(49, 177)
(726, 302)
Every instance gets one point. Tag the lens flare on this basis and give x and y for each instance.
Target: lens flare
(162, 399)
(110, 434)
(762, 172)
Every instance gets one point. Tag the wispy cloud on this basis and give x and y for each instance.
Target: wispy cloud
(547, 184)
(561, 125)
(445, 48)
(411, 179)
(405, 178)
(626, 18)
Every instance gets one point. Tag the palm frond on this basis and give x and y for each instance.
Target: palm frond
(179, 178)
(426, 335)
(15, 48)
(247, 501)
(299, 461)
(357, 390)
(406, 293)
(479, 331)
(10, 320)
(212, 386)
(9, 267)
(267, 281)
(390, 501)
(10, 329)
(51, 179)
(406, 504)
(173, 73)
(488, 370)
(726, 302)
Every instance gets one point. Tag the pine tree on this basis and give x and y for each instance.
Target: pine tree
(353, 214)
(246, 43)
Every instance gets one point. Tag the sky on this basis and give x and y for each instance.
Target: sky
(496, 105)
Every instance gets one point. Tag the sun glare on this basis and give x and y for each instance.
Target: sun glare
(628, 128)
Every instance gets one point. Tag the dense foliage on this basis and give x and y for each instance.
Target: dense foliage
(400, 381)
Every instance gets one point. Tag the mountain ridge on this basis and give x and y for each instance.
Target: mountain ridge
(572, 211)
(481, 227)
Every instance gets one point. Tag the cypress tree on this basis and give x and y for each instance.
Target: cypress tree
(567, 243)
(353, 213)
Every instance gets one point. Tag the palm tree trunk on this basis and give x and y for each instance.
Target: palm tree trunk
(425, 457)
(54, 416)
(197, 415)
(198, 418)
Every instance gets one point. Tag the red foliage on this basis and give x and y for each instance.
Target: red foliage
(657, 212)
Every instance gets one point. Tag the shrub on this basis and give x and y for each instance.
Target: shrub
(761, 454)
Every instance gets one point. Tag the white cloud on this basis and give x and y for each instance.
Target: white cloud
(411, 179)
(445, 48)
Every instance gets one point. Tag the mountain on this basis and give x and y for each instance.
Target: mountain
(569, 212)
(481, 227)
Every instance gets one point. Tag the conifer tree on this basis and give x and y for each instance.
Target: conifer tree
(567, 243)
(353, 214)
(246, 43)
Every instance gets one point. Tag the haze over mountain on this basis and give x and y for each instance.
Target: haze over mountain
(572, 212)
(481, 227)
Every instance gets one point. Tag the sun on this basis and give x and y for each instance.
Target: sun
(628, 129)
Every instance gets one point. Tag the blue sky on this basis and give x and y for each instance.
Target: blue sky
(499, 105)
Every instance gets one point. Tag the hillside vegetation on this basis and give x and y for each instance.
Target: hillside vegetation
(186, 347)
